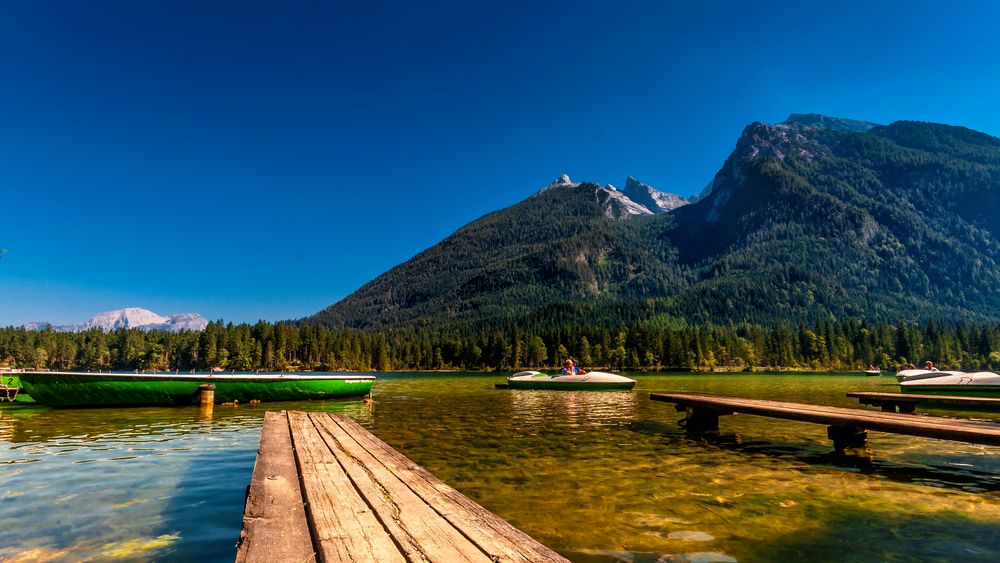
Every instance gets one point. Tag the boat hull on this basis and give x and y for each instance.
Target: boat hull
(985, 391)
(978, 384)
(593, 381)
(560, 386)
(112, 390)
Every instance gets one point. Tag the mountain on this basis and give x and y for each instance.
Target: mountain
(813, 218)
(899, 223)
(569, 242)
(131, 317)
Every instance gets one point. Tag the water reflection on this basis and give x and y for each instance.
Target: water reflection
(129, 484)
(570, 408)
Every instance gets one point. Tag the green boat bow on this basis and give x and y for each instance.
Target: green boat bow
(78, 389)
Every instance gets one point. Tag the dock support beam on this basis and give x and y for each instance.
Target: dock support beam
(847, 437)
(700, 419)
(206, 395)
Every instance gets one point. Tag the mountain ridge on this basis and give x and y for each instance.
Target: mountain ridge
(812, 218)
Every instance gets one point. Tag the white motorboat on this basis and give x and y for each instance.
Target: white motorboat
(914, 374)
(595, 380)
(976, 384)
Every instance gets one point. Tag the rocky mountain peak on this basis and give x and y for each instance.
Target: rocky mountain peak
(636, 199)
(562, 181)
(651, 198)
(617, 205)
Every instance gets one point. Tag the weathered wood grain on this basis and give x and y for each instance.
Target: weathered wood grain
(909, 400)
(344, 526)
(364, 501)
(493, 535)
(275, 516)
(421, 531)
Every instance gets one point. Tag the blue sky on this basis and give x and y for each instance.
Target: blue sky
(262, 160)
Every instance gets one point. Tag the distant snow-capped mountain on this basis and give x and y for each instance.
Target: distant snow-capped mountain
(131, 317)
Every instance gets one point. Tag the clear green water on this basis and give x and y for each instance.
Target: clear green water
(597, 476)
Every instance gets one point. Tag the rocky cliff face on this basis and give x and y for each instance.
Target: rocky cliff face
(651, 198)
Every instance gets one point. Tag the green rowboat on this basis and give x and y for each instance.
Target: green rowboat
(79, 389)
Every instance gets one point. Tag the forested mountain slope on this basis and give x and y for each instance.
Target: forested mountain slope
(899, 223)
(811, 219)
(568, 244)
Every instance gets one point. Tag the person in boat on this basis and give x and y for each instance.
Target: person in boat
(570, 368)
(911, 366)
(929, 366)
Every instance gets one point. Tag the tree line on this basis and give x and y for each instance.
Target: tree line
(832, 345)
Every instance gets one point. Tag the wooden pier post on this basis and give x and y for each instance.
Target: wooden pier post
(847, 437)
(700, 419)
(206, 395)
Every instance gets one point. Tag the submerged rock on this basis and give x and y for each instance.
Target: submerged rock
(690, 535)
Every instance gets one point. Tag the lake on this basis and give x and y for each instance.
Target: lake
(597, 476)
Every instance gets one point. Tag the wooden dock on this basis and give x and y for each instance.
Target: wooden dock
(907, 402)
(846, 427)
(325, 489)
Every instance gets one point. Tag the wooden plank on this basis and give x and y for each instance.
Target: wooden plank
(856, 417)
(274, 522)
(358, 499)
(493, 535)
(421, 531)
(924, 426)
(738, 404)
(988, 402)
(343, 524)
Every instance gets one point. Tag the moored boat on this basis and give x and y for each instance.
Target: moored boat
(595, 380)
(977, 384)
(80, 389)
(914, 374)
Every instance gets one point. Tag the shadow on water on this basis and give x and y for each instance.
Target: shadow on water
(207, 510)
(164, 483)
(845, 536)
(864, 535)
(935, 470)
